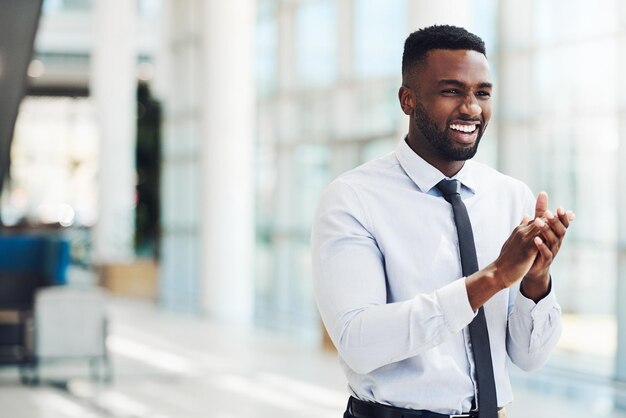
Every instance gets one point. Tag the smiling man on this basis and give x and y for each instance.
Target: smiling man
(431, 269)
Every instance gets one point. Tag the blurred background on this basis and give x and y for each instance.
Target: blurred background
(161, 161)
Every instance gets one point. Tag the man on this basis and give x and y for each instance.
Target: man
(386, 245)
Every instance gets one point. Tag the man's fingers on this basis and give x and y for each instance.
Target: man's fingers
(564, 216)
(556, 224)
(550, 237)
(543, 249)
(540, 223)
(525, 220)
(542, 204)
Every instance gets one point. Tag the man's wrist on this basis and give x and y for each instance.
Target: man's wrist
(482, 285)
(536, 288)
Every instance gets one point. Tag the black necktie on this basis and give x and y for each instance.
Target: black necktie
(487, 402)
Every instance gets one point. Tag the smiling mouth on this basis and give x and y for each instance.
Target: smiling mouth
(468, 129)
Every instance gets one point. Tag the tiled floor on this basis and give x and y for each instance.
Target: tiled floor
(172, 366)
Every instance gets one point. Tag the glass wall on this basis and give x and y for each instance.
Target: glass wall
(328, 102)
(559, 124)
(321, 113)
(54, 161)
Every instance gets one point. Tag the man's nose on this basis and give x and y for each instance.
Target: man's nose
(470, 106)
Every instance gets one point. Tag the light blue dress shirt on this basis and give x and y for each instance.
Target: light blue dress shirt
(389, 287)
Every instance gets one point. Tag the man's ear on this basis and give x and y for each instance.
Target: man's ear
(407, 100)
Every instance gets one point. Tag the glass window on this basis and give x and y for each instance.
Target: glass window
(149, 8)
(310, 177)
(288, 186)
(582, 20)
(378, 148)
(484, 15)
(54, 164)
(53, 6)
(378, 110)
(266, 50)
(379, 33)
(316, 42)
(560, 129)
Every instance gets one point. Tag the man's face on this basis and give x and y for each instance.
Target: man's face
(451, 103)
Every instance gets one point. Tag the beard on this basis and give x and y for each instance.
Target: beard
(440, 141)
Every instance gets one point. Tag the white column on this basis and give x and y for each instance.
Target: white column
(226, 155)
(286, 55)
(113, 87)
(179, 77)
(620, 355)
(620, 361)
(346, 41)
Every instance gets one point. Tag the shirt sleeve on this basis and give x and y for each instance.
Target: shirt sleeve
(533, 328)
(350, 290)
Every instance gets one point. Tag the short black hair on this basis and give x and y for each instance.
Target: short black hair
(426, 39)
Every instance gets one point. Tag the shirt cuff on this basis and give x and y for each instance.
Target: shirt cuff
(455, 305)
(536, 310)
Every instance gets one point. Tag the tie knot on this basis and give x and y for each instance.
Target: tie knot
(449, 187)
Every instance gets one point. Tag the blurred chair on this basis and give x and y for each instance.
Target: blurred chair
(71, 324)
(27, 263)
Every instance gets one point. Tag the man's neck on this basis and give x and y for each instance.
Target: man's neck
(446, 167)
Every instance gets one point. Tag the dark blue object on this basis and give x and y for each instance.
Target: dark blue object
(56, 259)
(46, 257)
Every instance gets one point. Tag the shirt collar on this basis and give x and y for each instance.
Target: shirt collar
(424, 175)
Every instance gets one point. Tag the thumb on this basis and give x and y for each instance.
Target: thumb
(542, 204)
(525, 220)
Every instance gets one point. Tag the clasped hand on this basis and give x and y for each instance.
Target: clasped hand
(531, 247)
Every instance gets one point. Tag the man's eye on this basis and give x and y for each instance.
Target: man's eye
(450, 91)
(484, 94)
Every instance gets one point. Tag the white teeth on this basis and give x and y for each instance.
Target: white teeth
(463, 128)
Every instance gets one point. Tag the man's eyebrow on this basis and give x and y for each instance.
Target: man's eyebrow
(457, 83)
(446, 82)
